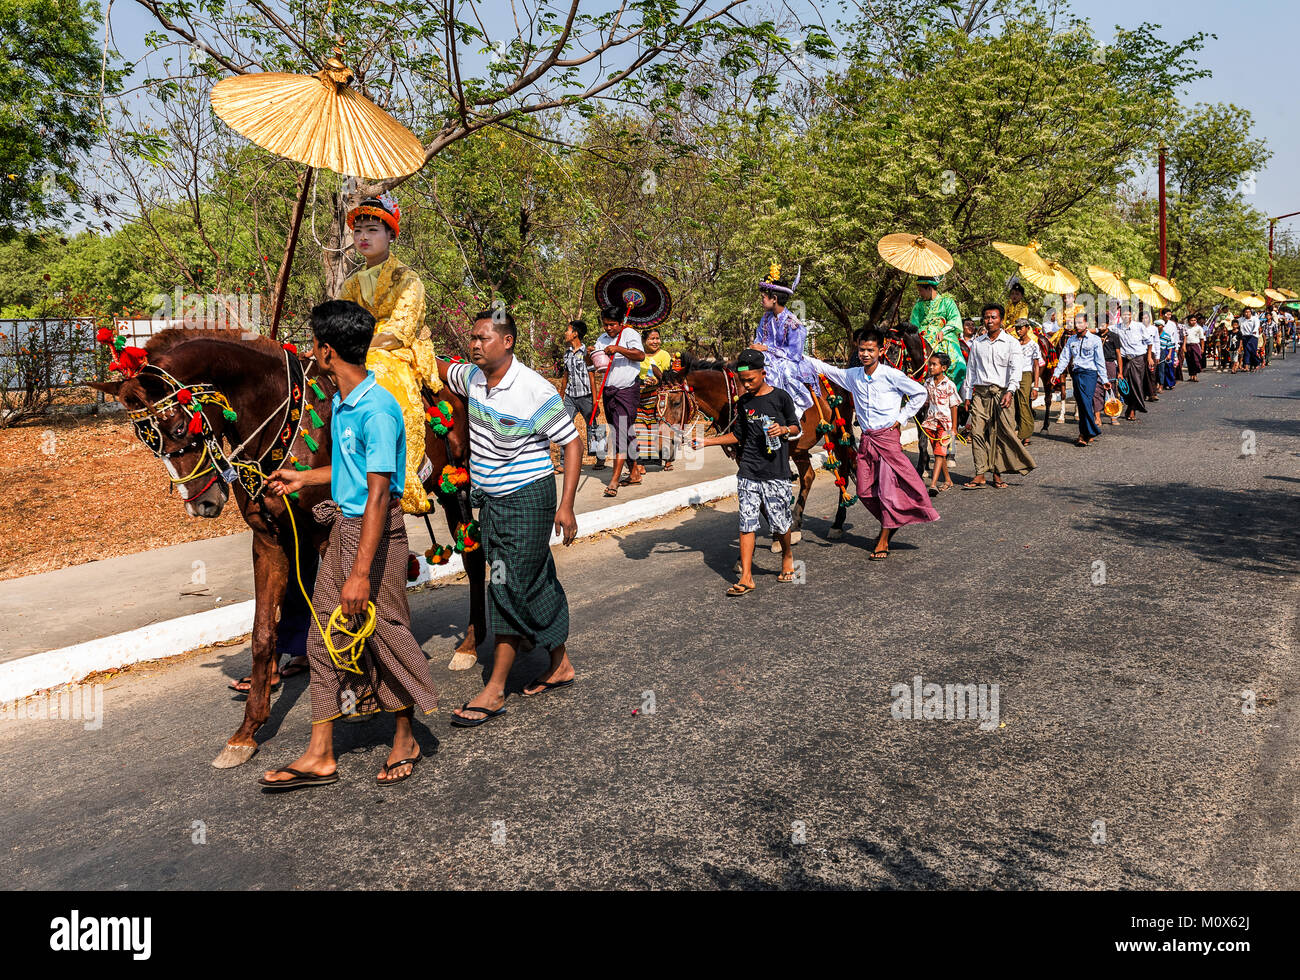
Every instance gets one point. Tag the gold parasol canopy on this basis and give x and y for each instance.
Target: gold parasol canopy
(914, 254)
(1288, 293)
(1225, 291)
(318, 120)
(1024, 255)
(1276, 295)
(1058, 279)
(1145, 292)
(1252, 300)
(1167, 289)
(1108, 282)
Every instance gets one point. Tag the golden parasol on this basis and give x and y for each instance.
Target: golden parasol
(320, 121)
(1146, 293)
(1024, 255)
(1252, 300)
(914, 254)
(1288, 293)
(1276, 295)
(1108, 282)
(1058, 279)
(1225, 291)
(1166, 288)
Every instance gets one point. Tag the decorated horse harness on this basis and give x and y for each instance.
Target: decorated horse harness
(230, 467)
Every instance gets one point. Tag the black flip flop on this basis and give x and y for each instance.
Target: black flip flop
(387, 767)
(300, 779)
(458, 722)
(545, 687)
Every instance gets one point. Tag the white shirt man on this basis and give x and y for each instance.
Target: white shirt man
(992, 362)
(623, 372)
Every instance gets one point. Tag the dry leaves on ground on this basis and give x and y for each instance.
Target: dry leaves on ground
(79, 490)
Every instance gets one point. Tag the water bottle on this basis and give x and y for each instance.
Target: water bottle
(773, 442)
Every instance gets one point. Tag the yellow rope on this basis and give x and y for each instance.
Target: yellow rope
(346, 657)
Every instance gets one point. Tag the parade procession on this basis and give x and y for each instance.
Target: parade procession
(538, 446)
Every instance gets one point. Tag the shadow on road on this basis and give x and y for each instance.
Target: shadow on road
(1245, 529)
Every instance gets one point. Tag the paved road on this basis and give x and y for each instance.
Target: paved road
(1118, 702)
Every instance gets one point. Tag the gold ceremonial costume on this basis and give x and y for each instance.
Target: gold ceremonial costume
(401, 355)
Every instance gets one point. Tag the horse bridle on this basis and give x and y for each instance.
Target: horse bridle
(191, 400)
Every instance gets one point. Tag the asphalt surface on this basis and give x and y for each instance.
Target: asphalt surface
(771, 758)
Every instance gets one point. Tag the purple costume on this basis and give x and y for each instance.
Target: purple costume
(785, 367)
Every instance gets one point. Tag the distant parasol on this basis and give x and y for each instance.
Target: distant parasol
(1108, 282)
(1146, 293)
(914, 254)
(1058, 279)
(1024, 255)
(1166, 288)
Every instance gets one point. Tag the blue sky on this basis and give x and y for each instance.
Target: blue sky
(1246, 30)
(1236, 57)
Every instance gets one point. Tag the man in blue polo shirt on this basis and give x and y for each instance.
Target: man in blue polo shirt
(365, 562)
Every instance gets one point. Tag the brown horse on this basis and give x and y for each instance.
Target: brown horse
(1051, 355)
(265, 388)
(711, 389)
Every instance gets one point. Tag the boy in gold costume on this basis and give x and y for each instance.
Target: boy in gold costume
(401, 355)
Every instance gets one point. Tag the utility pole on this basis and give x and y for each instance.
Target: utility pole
(1272, 223)
(1164, 255)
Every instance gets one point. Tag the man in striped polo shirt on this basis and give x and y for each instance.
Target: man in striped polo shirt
(514, 413)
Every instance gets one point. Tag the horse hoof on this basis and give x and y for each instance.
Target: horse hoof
(462, 661)
(234, 755)
(835, 533)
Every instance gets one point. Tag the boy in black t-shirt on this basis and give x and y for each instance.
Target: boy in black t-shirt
(767, 419)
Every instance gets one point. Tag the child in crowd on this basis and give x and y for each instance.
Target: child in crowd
(940, 418)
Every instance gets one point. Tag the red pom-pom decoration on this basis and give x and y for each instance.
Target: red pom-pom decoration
(841, 482)
(412, 567)
(196, 423)
(291, 348)
(467, 537)
(453, 478)
(103, 335)
(129, 360)
(185, 396)
(440, 417)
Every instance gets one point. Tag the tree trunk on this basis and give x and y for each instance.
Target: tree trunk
(339, 241)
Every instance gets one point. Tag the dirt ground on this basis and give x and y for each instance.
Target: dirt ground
(78, 490)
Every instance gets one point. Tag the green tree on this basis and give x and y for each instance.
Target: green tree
(49, 114)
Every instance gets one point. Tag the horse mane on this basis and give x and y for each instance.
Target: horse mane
(165, 340)
(708, 364)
